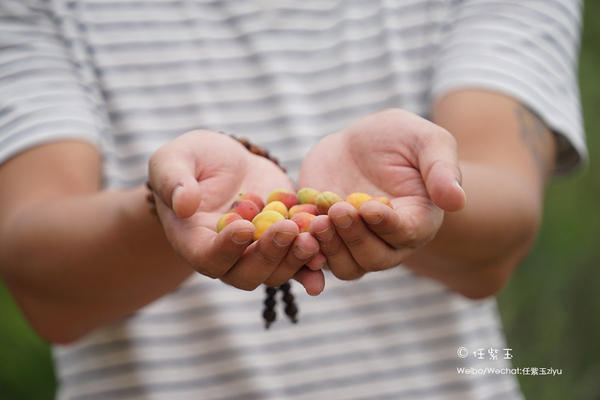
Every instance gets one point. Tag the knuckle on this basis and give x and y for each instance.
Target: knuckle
(209, 269)
(410, 231)
(332, 248)
(276, 281)
(211, 274)
(391, 112)
(354, 240)
(347, 274)
(447, 137)
(377, 263)
(249, 286)
(268, 257)
(155, 158)
(206, 266)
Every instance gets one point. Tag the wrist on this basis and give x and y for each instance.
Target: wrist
(137, 216)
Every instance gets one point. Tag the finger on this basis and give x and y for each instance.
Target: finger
(317, 262)
(438, 163)
(172, 173)
(339, 259)
(313, 281)
(405, 226)
(209, 253)
(369, 251)
(304, 247)
(263, 256)
(216, 257)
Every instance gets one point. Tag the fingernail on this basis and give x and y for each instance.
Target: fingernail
(283, 239)
(457, 184)
(343, 221)
(325, 235)
(241, 237)
(301, 253)
(178, 189)
(373, 219)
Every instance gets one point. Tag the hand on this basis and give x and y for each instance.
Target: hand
(195, 179)
(391, 153)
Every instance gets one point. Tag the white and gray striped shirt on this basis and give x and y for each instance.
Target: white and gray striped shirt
(129, 75)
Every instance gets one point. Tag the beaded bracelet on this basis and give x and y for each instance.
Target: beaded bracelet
(269, 315)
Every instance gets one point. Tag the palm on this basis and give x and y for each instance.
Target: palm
(345, 165)
(394, 154)
(226, 169)
(255, 174)
(195, 178)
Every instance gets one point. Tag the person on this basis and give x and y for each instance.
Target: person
(97, 96)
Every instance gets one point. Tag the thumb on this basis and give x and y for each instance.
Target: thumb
(438, 163)
(172, 177)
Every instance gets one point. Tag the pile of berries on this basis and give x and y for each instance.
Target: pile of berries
(301, 207)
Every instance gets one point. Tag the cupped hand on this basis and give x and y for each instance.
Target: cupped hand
(195, 178)
(391, 153)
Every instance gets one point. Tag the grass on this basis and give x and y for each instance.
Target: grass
(550, 309)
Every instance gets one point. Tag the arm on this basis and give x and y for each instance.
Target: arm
(76, 258)
(506, 154)
(72, 256)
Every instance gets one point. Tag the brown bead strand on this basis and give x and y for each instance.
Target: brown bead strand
(291, 310)
(269, 315)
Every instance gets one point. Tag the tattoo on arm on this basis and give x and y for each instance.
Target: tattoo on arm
(537, 137)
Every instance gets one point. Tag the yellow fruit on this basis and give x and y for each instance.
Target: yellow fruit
(357, 199)
(277, 206)
(307, 195)
(264, 220)
(384, 200)
(326, 200)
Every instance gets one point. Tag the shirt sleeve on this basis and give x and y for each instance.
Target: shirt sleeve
(527, 49)
(46, 91)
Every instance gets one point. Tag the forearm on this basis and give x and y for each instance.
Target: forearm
(506, 155)
(477, 248)
(75, 263)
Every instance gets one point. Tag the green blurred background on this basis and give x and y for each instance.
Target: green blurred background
(550, 309)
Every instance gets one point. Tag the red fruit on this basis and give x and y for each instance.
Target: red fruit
(309, 208)
(282, 195)
(253, 198)
(303, 220)
(245, 208)
(226, 219)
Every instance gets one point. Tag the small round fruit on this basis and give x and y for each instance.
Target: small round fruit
(226, 219)
(277, 206)
(325, 200)
(384, 200)
(253, 198)
(303, 220)
(309, 208)
(287, 198)
(264, 220)
(307, 195)
(246, 208)
(357, 199)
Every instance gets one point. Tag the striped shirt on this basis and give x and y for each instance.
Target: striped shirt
(129, 75)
